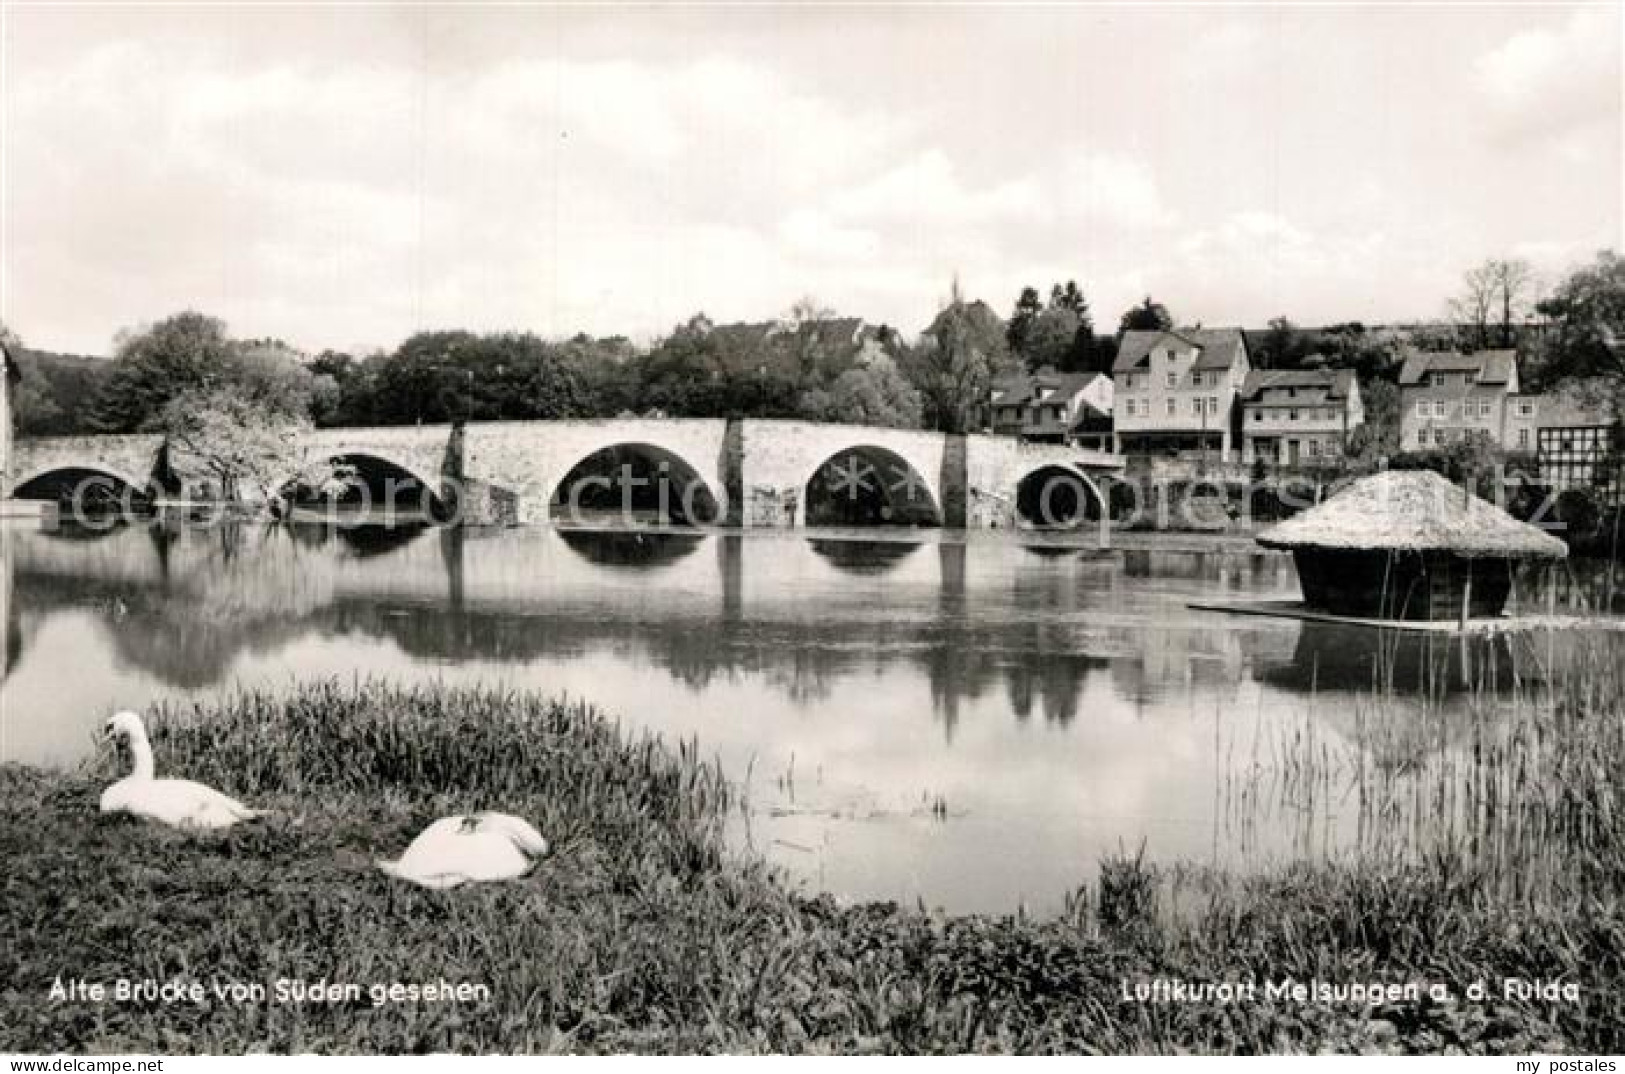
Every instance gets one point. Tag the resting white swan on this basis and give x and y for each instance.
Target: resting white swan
(467, 849)
(179, 803)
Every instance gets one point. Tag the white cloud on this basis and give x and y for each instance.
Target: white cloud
(1546, 82)
(577, 172)
(928, 188)
(1112, 189)
(1254, 264)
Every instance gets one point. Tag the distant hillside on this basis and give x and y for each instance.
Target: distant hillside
(56, 392)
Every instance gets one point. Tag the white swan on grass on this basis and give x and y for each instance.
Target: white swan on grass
(468, 849)
(179, 803)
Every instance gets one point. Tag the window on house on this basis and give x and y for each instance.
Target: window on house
(1173, 407)
(1173, 378)
(1422, 438)
(1196, 407)
(1526, 409)
(1258, 415)
(1314, 447)
(1523, 438)
(1437, 380)
(1440, 408)
(1421, 408)
(1292, 415)
(1212, 404)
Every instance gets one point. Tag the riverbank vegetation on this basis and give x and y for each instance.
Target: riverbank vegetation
(643, 932)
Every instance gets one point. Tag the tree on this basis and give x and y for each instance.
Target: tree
(238, 442)
(605, 370)
(874, 393)
(1147, 316)
(955, 362)
(1377, 438)
(1282, 347)
(1060, 335)
(1081, 355)
(1370, 355)
(1586, 331)
(55, 394)
(1514, 280)
(340, 398)
(449, 376)
(681, 374)
(1028, 307)
(153, 365)
(1495, 292)
(1069, 297)
(1053, 339)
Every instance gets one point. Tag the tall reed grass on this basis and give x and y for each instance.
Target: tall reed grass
(1504, 758)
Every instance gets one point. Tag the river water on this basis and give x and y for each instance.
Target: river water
(972, 721)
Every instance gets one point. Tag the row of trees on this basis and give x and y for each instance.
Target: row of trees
(813, 364)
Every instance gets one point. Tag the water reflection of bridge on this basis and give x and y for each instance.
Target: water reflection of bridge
(184, 604)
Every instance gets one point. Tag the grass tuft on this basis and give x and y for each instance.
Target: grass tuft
(641, 933)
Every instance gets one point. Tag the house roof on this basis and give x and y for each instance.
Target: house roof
(1491, 367)
(1091, 418)
(1337, 382)
(1412, 511)
(1217, 348)
(1019, 389)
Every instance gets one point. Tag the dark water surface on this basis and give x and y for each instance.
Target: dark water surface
(972, 721)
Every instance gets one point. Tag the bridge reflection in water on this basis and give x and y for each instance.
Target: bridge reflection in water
(1060, 701)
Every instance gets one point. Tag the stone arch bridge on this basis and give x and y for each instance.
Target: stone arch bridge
(756, 473)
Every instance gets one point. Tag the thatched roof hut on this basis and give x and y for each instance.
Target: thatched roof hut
(1408, 544)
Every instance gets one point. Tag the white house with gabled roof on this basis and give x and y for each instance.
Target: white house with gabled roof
(1177, 391)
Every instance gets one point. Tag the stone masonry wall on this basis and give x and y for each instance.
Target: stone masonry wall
(759, 470)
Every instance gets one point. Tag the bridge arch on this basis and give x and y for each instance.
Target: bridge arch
(58, 480)
(1059, 495)
(864, 484)
(382, 481)
(631, 481)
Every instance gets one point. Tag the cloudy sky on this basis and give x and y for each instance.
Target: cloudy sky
(341, 177)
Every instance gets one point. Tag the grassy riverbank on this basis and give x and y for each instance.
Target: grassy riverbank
(641, 933)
